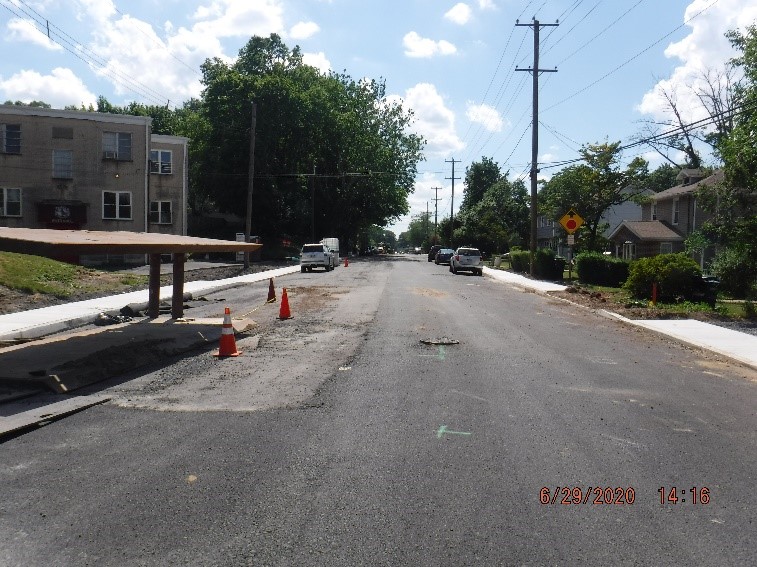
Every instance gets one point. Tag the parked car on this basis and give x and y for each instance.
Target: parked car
(443, 256)
(432, 253)
(467, 259)
(316, 256)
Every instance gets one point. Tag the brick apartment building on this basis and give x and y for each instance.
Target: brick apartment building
(86, 170)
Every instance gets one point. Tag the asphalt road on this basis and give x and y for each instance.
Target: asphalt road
(395, 452)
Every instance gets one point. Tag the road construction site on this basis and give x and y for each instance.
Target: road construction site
(167, 364)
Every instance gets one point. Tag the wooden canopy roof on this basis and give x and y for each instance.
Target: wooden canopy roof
(41, 241)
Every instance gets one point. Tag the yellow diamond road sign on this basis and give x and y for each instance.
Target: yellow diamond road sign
(571, 221)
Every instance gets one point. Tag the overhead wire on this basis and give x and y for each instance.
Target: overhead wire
(630, 59)
(78, 50)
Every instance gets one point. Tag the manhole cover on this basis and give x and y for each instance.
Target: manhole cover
(440, 341)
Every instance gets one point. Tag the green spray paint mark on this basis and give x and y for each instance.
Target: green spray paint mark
(443, 430)
(442, 352)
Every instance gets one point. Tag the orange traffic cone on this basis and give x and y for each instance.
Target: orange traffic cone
(271, 293)
(346, 262)
(228, 346)
(284, 310)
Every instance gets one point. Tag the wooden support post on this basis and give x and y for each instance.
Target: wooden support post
(177, 302)
(153, 301)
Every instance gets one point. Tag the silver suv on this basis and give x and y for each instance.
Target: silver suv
(467, 259)
(316, 256)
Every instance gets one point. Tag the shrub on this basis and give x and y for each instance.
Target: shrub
(546, 264)
(676, 276)
(520, 261)
(598, 269)
(737, 272)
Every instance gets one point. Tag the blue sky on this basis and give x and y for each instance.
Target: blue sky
(453, 63)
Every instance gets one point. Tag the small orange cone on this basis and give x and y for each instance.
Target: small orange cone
(346, 262)
(271, 293)
(284, 310)
(228, 346)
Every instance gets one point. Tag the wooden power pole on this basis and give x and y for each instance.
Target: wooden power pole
(250, 179)
(535, 130)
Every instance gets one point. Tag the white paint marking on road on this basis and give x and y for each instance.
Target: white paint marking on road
(717, 521)
(345, 368)
(683, 430)
(626, 442)
(601, 360)
(480, 399)
(712, 373)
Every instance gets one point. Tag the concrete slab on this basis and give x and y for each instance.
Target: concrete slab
(733, 344)
(20, 415)
(522, 281)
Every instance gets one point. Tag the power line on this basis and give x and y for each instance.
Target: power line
(629, 60)
(78, 50)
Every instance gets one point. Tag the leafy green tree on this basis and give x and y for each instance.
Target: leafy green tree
(499, 220)
(662, 178)
(332, 156)
(418, 230)
(591, 188)
(479, 177)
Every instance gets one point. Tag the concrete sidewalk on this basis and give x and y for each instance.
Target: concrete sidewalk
(741, 347)
(48, 320)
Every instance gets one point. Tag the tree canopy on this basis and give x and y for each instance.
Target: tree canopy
(332, 155)
(494, 212)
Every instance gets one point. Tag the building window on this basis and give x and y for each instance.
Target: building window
(10, 202)
(63, 133)
(160, 162)
(160, 212)
(654, 211)
(666, 247)
(675, 211)
(63, 162)
(117, 205)
(117, 145)
(629, 250)
(10, 138)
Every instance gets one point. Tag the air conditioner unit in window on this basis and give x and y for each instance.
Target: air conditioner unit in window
(110, 155)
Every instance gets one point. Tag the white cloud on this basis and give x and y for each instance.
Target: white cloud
(317, 60)
(433, 120)
(60, 88)
(487, 5)
(239, 18)
(26, 31)
(705, 48)
(485, 115)
(304, 30)
(417, 46)
(459, 14)
(155, 66)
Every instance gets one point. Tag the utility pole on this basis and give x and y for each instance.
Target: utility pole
(452, 206)
(312, 206)
(535, 129)
(436, 212)
(250, 179)
(427, 215)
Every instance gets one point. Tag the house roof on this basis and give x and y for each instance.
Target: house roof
(12, 109)
(679, 190)
(649, 230)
